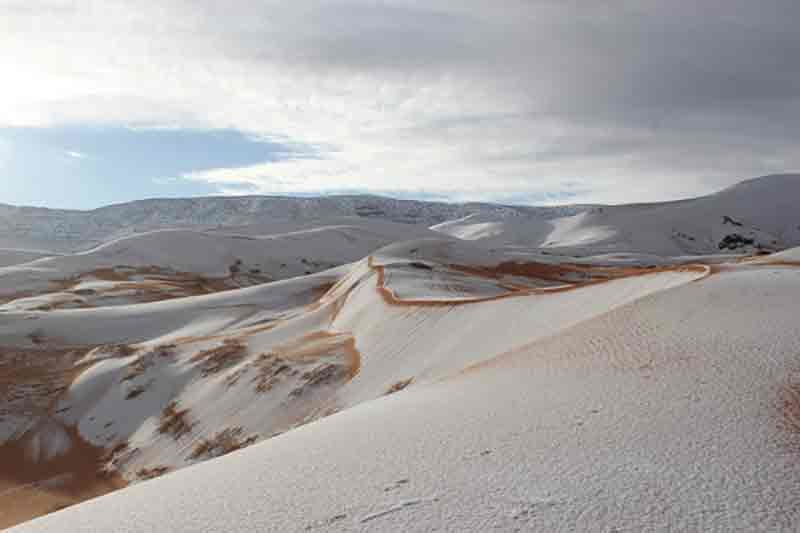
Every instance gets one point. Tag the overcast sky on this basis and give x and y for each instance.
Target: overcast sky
(504, 100)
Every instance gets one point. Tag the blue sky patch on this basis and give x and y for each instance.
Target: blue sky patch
(86, 166)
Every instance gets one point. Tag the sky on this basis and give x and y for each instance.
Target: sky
(522, 101)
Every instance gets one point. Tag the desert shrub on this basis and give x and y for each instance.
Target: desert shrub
(115, 451)
(270, 369)
(325, 374)
(226, 441)
(134, 392)
(165, 350)
(400, 385)
(140, 365)
(37, 336)
(174, 421)
(121, 350)
(150, 473)
(215, 359)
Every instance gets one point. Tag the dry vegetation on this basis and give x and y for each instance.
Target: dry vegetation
(324, 374)
(134, 285)
(271, 369)
(153, 283)
(115, 452)
(216, 359)
(37, 337)
(150, 473)
(174, 421)
(119, 448)
(400, 385)
(135, 392)
(300, 359)
(165, 350)
(146, 361)
(118, 456)
(136, 368)
(224, 442)
(32, 379)
(119, 350)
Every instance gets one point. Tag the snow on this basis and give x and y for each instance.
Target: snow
(50, 441)
(658, 415)
(429, 342)
(630, 378)
(197, 315)
(790, 255)
(209, 254)
(9, 257)
(688, 227)
(70, 231)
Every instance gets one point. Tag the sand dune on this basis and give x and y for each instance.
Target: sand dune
(588, 369)
(663, 413)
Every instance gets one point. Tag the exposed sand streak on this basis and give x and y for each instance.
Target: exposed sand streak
(319, 344)
(155, 284)
(323, 343)
(792, 264)
(790, 405)
(25, 492)
(603, 275)
(32, 486)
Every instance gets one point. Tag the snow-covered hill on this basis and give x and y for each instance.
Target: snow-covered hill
(604, 368)
(165, 259)
(64, 230)
(758, 214)
(632, 399)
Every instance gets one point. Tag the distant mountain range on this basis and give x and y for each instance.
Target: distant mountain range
(70, 230)
(757, 214)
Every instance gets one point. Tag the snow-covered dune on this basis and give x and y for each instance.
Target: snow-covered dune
(756, 214)
(611, 368)
(162, 385)
(668, 412)
(792, 255)
(168, 256)
(69, 231)
(15, 256)
(530, 230)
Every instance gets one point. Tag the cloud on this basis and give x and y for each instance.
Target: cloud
(625, 100)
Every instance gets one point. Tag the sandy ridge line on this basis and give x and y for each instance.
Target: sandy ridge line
(247, 331)
(318, 344)
(781, 263)
(391, 298)
(501, 358)
(155, 287)
(351, 352)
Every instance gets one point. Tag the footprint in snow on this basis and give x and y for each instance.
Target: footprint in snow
(327, 522)
(527, 509)
(397, 484)
(398, 507)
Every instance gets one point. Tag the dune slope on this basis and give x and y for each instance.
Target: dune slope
(609, 367)
(668, 412)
